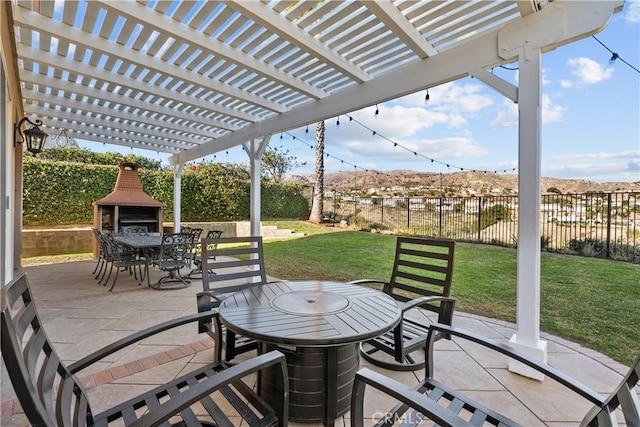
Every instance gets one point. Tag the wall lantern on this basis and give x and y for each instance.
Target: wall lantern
(34, 136)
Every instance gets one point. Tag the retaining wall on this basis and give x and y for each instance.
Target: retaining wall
(63, 241)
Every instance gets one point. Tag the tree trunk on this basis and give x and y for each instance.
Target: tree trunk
(318, 188)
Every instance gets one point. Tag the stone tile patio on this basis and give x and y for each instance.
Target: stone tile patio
(80, 316)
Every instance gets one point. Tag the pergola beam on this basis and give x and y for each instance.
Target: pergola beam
(557, 24)
(69, 34)
(281, 26)
(194, 38)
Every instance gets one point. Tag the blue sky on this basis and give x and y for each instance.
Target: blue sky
(590, 130)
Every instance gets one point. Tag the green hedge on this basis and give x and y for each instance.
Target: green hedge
(60, 193)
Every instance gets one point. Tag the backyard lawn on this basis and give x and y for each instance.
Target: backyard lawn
(594, 302)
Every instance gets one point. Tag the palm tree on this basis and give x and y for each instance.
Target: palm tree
(318, 188)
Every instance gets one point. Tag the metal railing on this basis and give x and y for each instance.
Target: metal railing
(590, 224)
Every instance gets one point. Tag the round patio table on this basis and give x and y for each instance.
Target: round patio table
(318, 326)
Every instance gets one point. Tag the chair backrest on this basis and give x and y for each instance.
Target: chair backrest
(214, 234)
(134, 229)
(624, 397)
(422, 267)
(174, 246)
(47, 391)
(228, 273)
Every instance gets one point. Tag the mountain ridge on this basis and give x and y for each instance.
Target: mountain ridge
(402, 180)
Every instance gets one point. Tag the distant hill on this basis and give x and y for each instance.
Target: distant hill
(453, 183)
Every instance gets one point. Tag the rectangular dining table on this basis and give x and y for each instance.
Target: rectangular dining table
(145, 243)
(318, 326)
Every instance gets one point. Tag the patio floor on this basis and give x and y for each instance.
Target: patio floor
(81, 316)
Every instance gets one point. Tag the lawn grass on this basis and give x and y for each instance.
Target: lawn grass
(594, 302)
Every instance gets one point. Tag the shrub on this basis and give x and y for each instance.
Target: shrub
(61, 192)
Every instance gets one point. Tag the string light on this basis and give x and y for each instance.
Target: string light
(307, 131)
(395, 144)
(615, 56)
(426, 97)
(375, 115)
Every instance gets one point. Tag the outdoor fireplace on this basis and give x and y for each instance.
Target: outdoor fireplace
(127, 205)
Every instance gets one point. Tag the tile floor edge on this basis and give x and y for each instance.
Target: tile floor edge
(12, 406)
(592, 354)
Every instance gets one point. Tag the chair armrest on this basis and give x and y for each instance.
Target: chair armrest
(206, 301)
(366, 281)
(445, 314)
(560, 377)
(225, 377)
(138, 336)
(408, 396)
(425, 300)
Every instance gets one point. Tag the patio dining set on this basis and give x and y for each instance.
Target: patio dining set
(136, 250)
(289, 351)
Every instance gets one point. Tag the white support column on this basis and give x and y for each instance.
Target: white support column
(255, 150)
(177, 192)
(527, 336)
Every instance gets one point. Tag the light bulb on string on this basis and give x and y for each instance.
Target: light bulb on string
(307, 131)
(338, 122)
(426, 97)
(614, 56)
(375, 115)
(280, 135)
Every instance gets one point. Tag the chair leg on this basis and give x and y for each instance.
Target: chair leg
(103, 281)
(97, 265)
(114, 279)
(98, 268)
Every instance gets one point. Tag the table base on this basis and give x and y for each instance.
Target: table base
(320, 381)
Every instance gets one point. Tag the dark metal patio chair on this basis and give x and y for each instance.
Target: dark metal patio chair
(420, 282)
(171, 259)
(51, 394)
(101, 261)
(193, 238)
(134, 229)
(239, 263)
(124, 258)
(197, 252)
(432, 400)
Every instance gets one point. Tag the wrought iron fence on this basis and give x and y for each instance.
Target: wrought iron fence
(590, 224)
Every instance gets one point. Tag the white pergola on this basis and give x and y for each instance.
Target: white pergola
(195, 78)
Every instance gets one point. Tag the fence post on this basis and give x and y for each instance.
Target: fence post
(440, 217)
(480, 204)
(609, 225)
(408, 218)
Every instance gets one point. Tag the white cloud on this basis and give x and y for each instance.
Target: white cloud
(551, 112)
(602, 166)
(589, 71)
(632, 13)
(508, 116)
(566, 83)
(453, 147)
(450, 97)
(632, 155)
